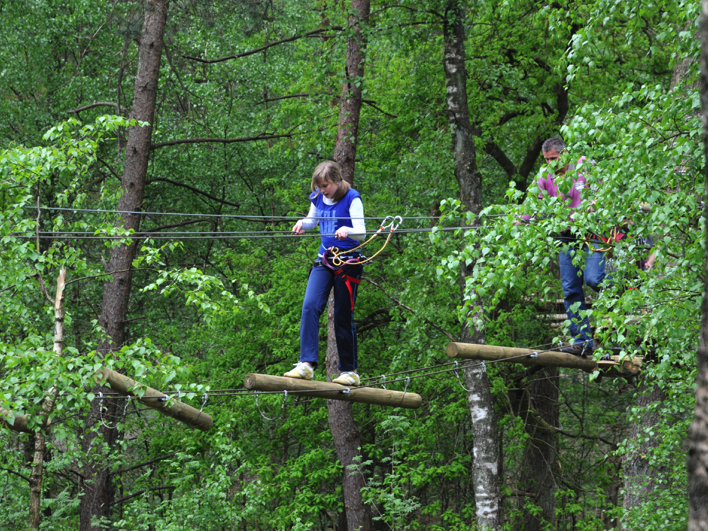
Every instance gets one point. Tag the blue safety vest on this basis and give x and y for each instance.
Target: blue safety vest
(332, 217)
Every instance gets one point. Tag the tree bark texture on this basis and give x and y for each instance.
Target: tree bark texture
(640, 478)
(97, 496)
(537, 404)
(485, 468)
(698, 451)
(345, 432)
(350, 102)
(37, 475)
(347, 439)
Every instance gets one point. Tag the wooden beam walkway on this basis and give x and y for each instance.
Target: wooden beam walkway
(156, 400)
(547, 358)
(314, 388)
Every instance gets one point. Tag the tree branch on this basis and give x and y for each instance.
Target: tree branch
(373, 104)
(99, 159)
(219, 140)
(582, 436)
(136, 494)
(301, 95)
(92, 105)
(438, 328)
(180, 224)
(146, 463)
(314, 33)
(16, 473)
(193, 189)
(493, 150)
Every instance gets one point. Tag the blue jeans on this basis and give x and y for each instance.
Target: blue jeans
(318, 287)
(572, 278)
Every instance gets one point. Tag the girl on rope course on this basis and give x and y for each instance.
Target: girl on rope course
(340, 213)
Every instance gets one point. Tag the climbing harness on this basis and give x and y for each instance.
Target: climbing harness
(339, 259)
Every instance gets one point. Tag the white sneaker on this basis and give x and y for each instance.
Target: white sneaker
(302, 370)
(347, 378)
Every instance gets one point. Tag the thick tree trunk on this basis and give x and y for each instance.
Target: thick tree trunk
(350, 103)
(347, 440)
(485, 468)
(538, 405)
(698, 452)
(345, 432)
(97, 496)
(640, 478)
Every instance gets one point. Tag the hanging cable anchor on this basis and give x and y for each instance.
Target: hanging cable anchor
(383, 381)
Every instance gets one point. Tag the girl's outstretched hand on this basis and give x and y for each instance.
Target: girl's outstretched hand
(297, 229)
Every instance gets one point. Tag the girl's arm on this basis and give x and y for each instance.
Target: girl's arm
(308, 223)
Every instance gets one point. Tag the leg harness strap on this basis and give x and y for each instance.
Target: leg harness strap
(348, 281)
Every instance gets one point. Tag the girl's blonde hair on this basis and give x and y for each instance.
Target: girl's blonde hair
(331, 172)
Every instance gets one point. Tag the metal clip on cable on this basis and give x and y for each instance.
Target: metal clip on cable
(383, 381)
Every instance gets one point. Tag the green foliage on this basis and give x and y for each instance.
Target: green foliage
(205, 312)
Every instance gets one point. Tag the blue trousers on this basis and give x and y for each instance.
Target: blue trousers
(572, 278)
(321, 281)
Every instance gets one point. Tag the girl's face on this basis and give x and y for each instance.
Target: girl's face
(328, 188)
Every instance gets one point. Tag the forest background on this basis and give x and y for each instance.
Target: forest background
(248, 96)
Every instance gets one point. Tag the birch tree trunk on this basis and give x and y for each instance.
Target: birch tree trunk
(485, 468)
(37, 475)
(347, 441)
(98, 494)
(698, 452)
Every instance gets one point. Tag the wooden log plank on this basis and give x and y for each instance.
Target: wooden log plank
(19, 425)
(365, 395)
(545, 358)
(156, 400)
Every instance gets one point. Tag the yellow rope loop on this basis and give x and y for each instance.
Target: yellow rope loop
(393, 223)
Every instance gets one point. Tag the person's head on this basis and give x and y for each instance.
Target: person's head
(552, 149)
(327, 178)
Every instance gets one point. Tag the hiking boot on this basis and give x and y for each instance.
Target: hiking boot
(581, 349)
(302, 370)
(347, 378)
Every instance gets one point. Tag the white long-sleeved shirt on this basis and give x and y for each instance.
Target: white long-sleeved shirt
(356, 213)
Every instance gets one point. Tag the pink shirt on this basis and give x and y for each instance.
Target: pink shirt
(574, 195)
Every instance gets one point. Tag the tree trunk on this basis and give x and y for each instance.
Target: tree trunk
(345, 432)
(350, 103)
(538, 405)
(36, 477)
(640, 478)
(347, 440)
(698, 452)
(97, 495)
(485, 468)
